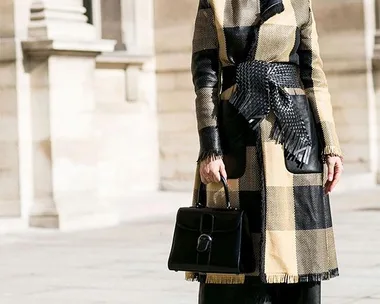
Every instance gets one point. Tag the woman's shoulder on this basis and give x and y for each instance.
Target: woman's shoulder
(302, 10)
(301, 7)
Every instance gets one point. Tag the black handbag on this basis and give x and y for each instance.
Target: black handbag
(208, 240)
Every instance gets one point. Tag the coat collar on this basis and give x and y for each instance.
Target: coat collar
(269, 8)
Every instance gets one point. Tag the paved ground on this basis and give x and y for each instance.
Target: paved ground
(127, 264)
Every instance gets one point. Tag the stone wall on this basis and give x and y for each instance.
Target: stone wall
(79, 124)
(376, 68)
(127, 131)
(346, 40)
(177, 126)
(15, 169)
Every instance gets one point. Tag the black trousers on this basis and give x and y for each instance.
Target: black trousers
(301, 293)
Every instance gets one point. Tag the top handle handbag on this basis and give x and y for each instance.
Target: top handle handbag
(212, 240)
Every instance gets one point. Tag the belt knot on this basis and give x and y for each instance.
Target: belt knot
(260, 89)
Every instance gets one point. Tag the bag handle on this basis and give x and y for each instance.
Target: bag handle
(201, 201)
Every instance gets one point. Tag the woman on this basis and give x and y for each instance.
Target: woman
(265, 121)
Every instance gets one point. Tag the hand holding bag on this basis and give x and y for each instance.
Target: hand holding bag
(210, 240)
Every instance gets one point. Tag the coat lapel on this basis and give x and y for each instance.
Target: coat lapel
(269, 8)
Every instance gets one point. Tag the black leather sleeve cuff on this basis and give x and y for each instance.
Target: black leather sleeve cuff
(210, 145)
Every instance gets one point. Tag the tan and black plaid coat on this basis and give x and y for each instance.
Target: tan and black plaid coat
(290, 214)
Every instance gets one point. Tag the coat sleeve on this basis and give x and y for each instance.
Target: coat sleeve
(205, 71)
(316, 88)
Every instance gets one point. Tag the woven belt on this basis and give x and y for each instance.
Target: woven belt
(260, 90)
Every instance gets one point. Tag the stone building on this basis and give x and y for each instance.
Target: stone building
(96, 102)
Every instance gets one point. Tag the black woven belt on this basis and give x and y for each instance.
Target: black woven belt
(260, 90)
(285, 74)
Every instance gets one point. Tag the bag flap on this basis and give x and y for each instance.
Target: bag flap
(223, 220)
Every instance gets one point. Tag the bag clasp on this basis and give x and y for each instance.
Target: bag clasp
(204, 243)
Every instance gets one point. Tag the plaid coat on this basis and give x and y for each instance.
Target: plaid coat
(290, 215)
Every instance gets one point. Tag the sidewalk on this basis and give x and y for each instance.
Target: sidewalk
(127, 264)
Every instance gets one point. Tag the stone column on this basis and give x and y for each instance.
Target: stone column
(97, 17)
(376, 77)
(137, 25)
(15, 174)
(61, 50)
(128, 24)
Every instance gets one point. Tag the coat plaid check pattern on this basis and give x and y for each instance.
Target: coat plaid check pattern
(290, 215)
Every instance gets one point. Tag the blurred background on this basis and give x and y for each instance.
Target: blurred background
(98, 146)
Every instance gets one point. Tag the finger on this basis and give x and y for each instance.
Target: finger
(338, 169)
(206, 181)
(203, 179)
(215, 176)
(331, 166)
(337, 175)
(327, 187)
(223, 171)
(204, 167)
(327, 182)
(204, 176)
(205, 171)
(334, 183)
(207, 175)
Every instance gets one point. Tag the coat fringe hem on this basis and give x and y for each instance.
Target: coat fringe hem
(292, 279)
(225, 279)
(215, 278)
